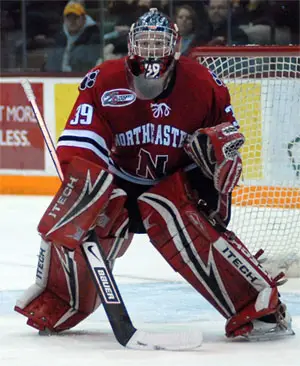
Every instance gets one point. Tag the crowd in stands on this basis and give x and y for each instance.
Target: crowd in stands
(61, 36)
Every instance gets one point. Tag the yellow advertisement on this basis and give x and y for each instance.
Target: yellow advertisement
(64, 98)
(246, 102)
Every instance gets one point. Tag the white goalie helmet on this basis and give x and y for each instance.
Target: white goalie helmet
(152, 52)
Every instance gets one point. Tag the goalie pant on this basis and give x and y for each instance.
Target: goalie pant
(64, 293)
(215, 262)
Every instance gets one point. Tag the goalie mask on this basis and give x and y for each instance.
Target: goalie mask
(152, 52)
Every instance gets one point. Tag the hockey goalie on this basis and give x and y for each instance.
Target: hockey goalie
(152, 146)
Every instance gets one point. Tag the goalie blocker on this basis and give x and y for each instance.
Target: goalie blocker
(64, 293)
(213, 260)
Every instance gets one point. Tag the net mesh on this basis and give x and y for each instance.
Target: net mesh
(265, 94)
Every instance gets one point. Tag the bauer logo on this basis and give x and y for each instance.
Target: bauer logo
(118, 98)
(107, 288)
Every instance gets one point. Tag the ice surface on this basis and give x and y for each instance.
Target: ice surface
(156, 299)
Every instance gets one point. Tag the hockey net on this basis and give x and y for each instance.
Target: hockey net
(264, 84)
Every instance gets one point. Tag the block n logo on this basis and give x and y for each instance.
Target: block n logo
(149, 167)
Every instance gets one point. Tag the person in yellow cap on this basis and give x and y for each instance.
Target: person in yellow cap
(77, 46)
(74, 17)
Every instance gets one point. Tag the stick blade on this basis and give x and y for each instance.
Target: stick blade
(169, 341)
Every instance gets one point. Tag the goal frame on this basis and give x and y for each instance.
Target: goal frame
(247, 50)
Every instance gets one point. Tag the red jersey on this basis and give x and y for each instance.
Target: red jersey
(141, 140)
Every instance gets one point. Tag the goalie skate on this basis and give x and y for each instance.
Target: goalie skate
(266, 331)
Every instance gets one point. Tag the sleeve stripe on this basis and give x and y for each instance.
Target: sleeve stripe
(84, 139)
(84, 145)
(87, 134)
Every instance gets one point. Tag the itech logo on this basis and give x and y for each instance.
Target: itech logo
(63, 197)
(118, 98)
(40, 266)
(107, 288)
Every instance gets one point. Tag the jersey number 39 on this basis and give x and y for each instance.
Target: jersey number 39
(84, 115)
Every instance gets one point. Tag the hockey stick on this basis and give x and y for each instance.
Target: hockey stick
(124, 331)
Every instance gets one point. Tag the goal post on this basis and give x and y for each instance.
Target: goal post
(264, 83)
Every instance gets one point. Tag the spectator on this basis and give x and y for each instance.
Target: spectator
(198, 6)
(7, 47)
(125, 13)
(271, 22)
(286, 15)
(186, 20)
(218, 11)
(77, 44)
(252, 12)
(121, 14)
(42, 22)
